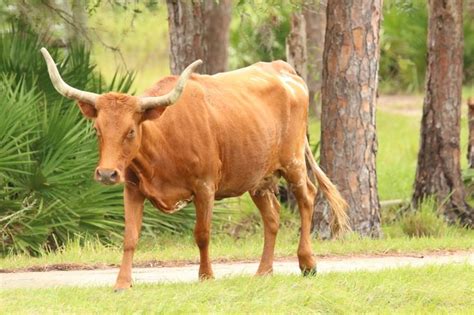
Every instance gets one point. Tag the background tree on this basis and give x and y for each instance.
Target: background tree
(348, 137)
(314, 12)
(438, 172)
(296, 57)
(216, 34)
(296, 54)
(470, 144)
(198, 30)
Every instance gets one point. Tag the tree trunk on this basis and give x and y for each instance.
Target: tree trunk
(438, 172)
(78, 32)
(296, 44)
(216, 34)
(296, 57)
(348, 134)
(186, 27)
(314, 12)
(470, 148)
(198, 30)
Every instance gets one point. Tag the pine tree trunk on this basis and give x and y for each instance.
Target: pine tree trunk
(438, 172)
(198, 30)
(296, 44)
(296, 57)
(216, 34)
(470, 147)
(348, 134)
(186, 27)
(314, 12)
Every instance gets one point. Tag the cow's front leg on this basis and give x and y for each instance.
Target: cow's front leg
(133, 201)
(204, 201)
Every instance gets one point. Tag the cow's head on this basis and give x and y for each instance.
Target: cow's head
(117, 118)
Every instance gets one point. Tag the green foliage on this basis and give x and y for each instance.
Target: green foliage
(258, 31)
(403, 45)
(424, 222)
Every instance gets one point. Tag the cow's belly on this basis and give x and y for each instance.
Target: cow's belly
(269, 182)
(166, 198)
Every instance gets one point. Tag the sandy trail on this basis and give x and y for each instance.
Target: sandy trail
(189, 273)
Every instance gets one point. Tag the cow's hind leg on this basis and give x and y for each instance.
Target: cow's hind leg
(304, 192)
(269, 208)
(204, 201)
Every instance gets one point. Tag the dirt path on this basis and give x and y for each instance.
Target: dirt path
(408, 105)
(189, 273)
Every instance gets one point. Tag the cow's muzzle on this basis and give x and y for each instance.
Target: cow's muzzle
(107, 176)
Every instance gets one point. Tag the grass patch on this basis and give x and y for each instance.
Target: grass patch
(247, 247)
(439, 289)
(424, 222)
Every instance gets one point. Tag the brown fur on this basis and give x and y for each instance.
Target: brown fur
(228, 134)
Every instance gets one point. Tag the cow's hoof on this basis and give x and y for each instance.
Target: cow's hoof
(119, 290)
(205, 277)
(309, 272)
(122, 288)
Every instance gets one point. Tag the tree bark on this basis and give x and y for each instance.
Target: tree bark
(314, 12)
(216, 34)
(296, 57)
(348, 133)
(438, 172)
(186, 27)
(470, 147)
(198, 30)
(78, 32)
(296, 44)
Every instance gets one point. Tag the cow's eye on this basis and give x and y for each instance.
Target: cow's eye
(131, 134)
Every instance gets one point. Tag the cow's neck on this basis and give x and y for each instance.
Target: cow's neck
(156, 172)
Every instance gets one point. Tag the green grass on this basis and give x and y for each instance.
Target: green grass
(433, 289)
(398, 144)
(248, 246)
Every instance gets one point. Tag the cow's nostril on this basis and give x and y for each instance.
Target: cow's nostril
(107, 176)
(113, 175)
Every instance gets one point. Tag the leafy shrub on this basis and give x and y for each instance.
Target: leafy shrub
(258, 31)
(403, 46)
(424, 222)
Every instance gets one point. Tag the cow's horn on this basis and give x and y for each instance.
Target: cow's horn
(62, 87)
(148, 102)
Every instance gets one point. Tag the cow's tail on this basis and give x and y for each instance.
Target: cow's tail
(339, 220)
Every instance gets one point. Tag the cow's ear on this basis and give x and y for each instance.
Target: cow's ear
(87, 110)
(153, 113)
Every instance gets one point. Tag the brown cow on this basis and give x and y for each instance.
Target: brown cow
(225, 135)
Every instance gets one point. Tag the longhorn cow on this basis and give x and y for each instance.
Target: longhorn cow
(202, 138)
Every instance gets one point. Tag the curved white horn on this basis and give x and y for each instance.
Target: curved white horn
(62, 87)
(170, 98)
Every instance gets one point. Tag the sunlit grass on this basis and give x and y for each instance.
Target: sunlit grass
(169, 248)
(439, 289)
